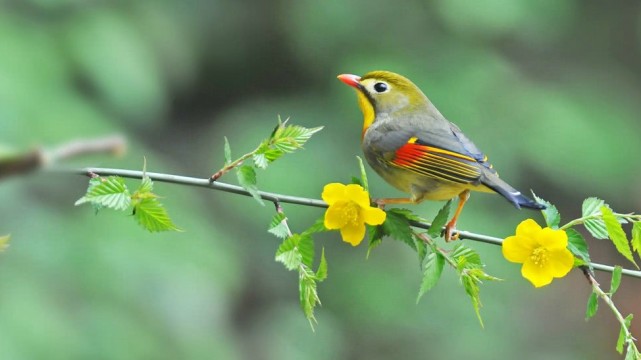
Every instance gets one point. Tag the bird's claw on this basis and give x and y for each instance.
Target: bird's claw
(450, 233)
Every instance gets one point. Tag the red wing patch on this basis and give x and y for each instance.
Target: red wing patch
(437, 163)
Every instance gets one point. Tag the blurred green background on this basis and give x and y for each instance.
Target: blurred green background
(548, 89)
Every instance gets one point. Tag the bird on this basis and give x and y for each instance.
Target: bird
(413, 147)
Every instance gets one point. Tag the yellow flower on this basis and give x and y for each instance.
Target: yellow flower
(349, 210)
(543, 252)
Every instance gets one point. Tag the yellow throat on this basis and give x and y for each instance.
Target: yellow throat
(367, 109)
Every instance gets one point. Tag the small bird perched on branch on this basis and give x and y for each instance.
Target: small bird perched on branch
(414, 148)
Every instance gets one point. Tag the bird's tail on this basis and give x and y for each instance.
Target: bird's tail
(512, 195)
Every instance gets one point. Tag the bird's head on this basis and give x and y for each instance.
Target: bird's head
(384, 92)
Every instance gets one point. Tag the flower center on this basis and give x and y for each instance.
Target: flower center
(351, 212)
(539, 256)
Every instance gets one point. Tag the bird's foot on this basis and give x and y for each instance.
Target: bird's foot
(379, 203)
(450, 233)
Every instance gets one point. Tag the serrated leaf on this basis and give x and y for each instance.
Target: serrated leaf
(466, 258)
(577, 245)
(597, 228)
(471, 286)
(622, 337)
(260, 160)
(321, 272)
(616, 234)
(440, 220)
(591, 206)
(146, 185)
(397, 226)
(376, 234)
(247, 179)
(151, 215)
(431, 274)
(550, 213)
(593, 306)
(306, 249)
(288, 254)
(364, 181)
(421, 249)
(227, 151)
(109, 192)
(636, 237)
(308, 293)
(616, 280)
(278, 226)
(4, 242)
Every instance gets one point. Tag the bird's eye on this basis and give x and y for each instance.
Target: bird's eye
(380, 87)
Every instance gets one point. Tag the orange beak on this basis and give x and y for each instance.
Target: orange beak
(351, 80)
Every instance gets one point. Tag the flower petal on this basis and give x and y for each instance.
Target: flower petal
(528, 228)
(333, 192)
(537, 275)
(357, 194)
(335, 216)
(353, 233)
(374, 216)
(553, 239)
(517, 249)
(560, 262)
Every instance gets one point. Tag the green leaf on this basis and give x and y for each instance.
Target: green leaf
(356, 181)
(577, 245)
(306, 249)
(308, 293)
(397, 226)
(617, 235)
(318, 226)
(227, 152)
(431, 274)
(288, 254)
(439, 221)
(364, 181)
(550, 213)
(593, 306)
(616, 280)
(597, 228)
(4, 242)
(622, 338)
(247, 179)
(376, 234)
(260, 160)
(150, 213)
(466, 258)
(631, 352)
(109, 192)
(471, 286)
(278, 226)
(636, 237)
(421, 248)
(321, 273)
(591, 206)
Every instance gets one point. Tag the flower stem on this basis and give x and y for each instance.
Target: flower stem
(629, 339)
(225, 169)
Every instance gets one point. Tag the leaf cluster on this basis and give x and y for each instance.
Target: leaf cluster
(284, 139)
(111, 192)
(600, 221)
(432, 258)
(296, 252)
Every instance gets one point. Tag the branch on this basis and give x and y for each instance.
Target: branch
(279, 198)
(25, 162)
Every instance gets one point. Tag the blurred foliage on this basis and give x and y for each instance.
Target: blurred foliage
(548, 89)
